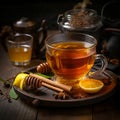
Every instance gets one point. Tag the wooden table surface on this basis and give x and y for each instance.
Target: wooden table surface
(109, 109)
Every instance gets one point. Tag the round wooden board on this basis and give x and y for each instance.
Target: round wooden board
(44, 96)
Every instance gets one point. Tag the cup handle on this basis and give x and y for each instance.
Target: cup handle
(104, 65)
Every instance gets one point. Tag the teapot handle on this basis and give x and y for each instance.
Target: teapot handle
(42, 36)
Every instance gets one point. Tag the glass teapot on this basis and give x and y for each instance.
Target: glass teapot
(80, 20)
(39, 33)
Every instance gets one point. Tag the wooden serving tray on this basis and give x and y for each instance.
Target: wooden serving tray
(44, 96)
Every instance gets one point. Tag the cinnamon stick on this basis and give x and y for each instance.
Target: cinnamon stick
(50, 82)
(52, 87)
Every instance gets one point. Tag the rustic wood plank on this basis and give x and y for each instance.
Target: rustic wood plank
(80, 113)
(17, 110)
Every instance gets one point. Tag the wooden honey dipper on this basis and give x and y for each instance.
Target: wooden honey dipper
(44, 68)
(37, 81)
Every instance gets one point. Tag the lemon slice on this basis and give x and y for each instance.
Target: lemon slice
(91, 85)
(22, 84)
(19, 80)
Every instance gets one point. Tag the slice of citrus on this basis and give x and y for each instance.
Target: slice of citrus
(22, 83)
(19, 80)
(90, 85)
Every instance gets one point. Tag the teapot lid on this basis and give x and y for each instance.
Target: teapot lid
(24, 23)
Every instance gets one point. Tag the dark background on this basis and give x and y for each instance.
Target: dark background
(10, 11)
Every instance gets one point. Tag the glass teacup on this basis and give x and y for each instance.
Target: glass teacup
(71, 57)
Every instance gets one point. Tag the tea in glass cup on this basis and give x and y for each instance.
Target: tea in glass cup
(20, 49)
(71, 57)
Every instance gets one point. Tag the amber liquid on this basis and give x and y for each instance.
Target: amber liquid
(71, 61)
(20, 54)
